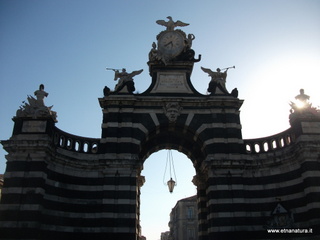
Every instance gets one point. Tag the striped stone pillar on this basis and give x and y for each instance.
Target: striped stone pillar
(24, 180)
(200, 181)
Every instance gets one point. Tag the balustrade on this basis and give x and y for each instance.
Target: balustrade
(79, 144)
(75, 143)
(271, 143)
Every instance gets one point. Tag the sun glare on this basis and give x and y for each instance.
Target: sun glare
(300, 104)
(285, 75)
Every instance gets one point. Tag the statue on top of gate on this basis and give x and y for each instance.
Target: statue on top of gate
(35, 108)
(171, 24)
(302, 106)
(217, 84)
(124, 79)
(172, 44)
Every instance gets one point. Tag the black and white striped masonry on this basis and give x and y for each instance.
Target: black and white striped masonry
(62, 186)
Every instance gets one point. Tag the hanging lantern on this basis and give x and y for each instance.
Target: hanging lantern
(171, 183)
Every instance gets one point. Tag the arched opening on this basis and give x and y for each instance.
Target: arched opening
(178, 138)
(257, 147)
(156, 202)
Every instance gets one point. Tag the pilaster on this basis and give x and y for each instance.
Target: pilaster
(200, 181)
(28, 149)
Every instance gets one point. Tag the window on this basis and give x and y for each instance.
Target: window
(190, 212)
(191, 233)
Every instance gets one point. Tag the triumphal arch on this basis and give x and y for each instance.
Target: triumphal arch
(62, 186)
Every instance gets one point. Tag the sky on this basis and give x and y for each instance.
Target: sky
(66, 45)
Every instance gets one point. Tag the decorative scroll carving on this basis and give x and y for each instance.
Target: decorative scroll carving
(140, 181)
(200, 180)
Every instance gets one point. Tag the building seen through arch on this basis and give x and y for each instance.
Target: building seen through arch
(61, 186)
(184, 220)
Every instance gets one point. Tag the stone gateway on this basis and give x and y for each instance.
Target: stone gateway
(61, 186)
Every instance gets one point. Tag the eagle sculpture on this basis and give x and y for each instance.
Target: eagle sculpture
(171, 24)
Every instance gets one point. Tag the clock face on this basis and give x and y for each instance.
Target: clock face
(171, 43)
